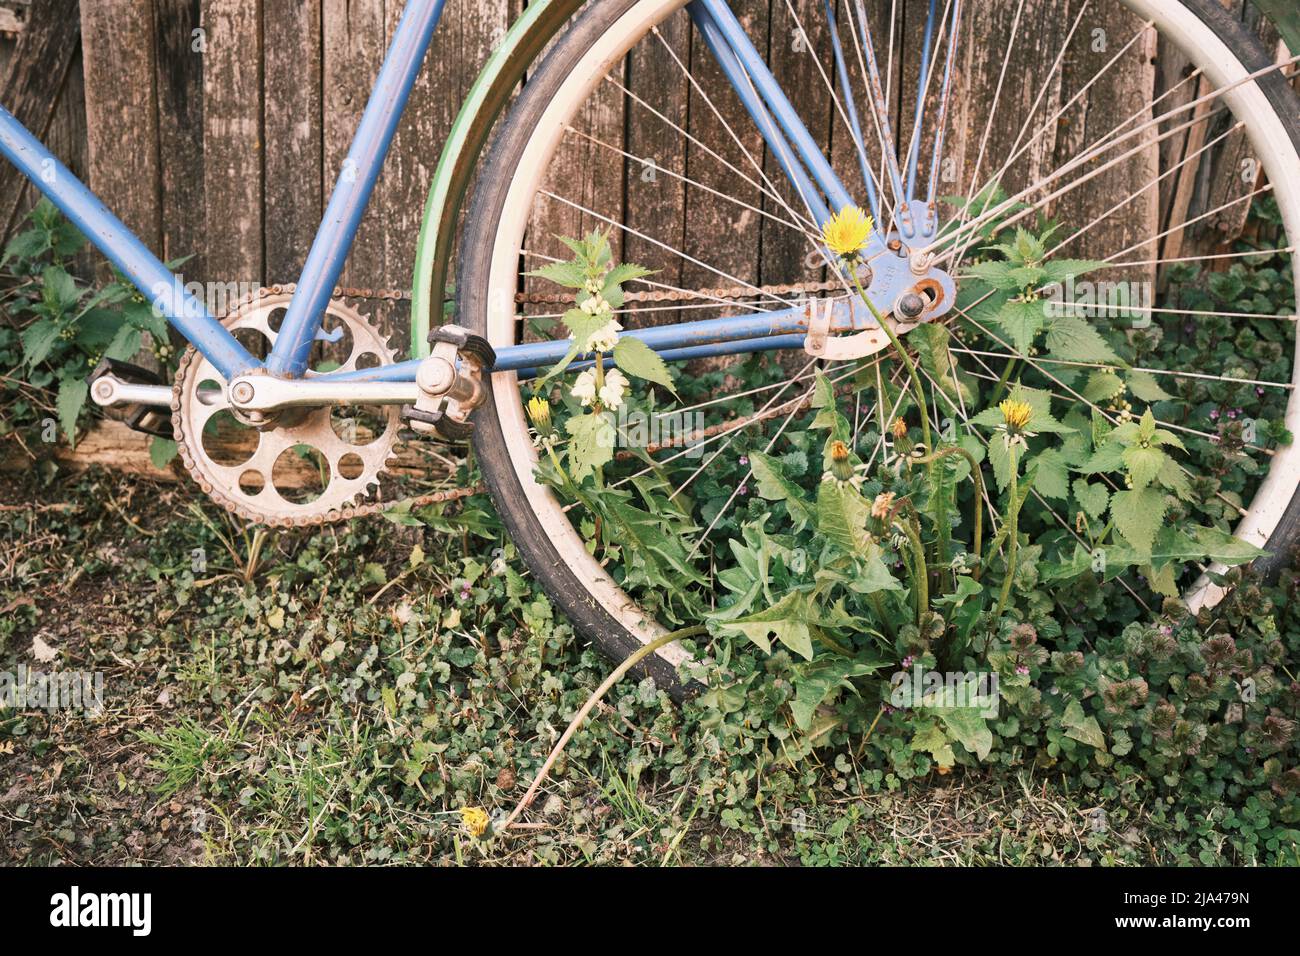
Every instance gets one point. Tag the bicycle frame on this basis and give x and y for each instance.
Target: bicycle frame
(790, 142)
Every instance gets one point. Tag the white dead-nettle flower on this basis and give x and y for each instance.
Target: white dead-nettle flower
(596, 305)
(584, 389)
(615, 387)
(604, 338)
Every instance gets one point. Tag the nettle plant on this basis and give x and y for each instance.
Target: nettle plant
(63, 327)
(911, 546)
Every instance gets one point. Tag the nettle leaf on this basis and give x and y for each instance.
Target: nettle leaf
(1000, 459)
(626, 272)
(1084, 729)
(842, 515)
(38, 339)
(1137, 515)
(997, 274)
(1022, 321)
(1058, 270)
(1144, 464)
(69, 403)
(1074, 340)
(125, 343)
(773, 485)
(1102, 385)
(1173, 477)
(594, 436)
(1109, 456)
(571, 275)
(1052, 478)
(1144, 385)
(59, 290)
(1093, 498)
(582, 326)
(638, 359)
(790, 620)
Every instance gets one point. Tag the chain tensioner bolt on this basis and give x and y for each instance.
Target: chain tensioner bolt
(910, 305)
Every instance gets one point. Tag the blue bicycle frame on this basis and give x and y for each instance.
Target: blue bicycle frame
(788, 139)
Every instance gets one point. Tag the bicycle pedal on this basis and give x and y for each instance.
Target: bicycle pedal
(113, 382)
(437, 423)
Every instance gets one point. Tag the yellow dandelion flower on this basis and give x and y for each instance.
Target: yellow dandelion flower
(847, 232)
(841, 467)
(1016, 415)
(539, 413)
(475, 819)
(900, 428)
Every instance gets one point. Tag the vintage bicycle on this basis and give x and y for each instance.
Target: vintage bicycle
(744, 155)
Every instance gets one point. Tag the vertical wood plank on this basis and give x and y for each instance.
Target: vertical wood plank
(33, 88)
(1126, 91)
(294, 130)
(122, 112)
(353, 51)
(232, 140)
(720, 232)
(796, 44)
(180, 120)
(466, 36)
(656, 201)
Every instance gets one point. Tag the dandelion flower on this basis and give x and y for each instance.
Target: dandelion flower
(883, 506)
(475, 819)
(847, 232)
(1015, 421)
(1016, 414)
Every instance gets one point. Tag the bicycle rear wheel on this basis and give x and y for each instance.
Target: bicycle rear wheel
(695, 142)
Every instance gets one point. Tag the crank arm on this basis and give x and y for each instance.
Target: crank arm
(266, 393)
(109, 391)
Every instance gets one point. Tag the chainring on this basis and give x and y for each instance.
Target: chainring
(349, 467)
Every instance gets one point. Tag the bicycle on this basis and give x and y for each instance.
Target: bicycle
(747, 158)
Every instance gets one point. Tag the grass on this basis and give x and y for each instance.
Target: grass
(367, 682)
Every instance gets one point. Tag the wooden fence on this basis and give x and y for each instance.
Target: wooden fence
(214, 127)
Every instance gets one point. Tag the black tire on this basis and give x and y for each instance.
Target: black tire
(490, 442)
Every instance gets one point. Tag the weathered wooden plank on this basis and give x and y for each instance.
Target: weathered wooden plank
(586, 175)
(1125, 91)
(467, 34)
(36, 77)
(232, 140)
(844, 153)
(353, 50)
(294, 131)
(798, 41)
(180, 57)
(718, 231)
(122, 112)
(656, 201)
(111, 444)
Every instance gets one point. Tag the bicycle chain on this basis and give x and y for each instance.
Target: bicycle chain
(351, 512)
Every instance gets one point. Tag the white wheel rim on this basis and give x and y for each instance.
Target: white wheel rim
(1247, 101)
